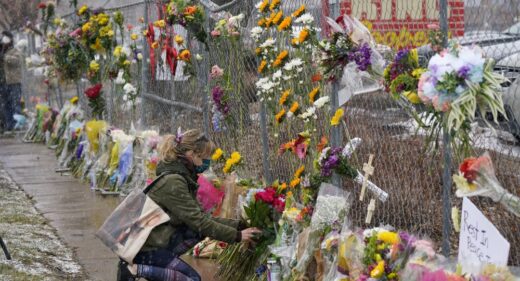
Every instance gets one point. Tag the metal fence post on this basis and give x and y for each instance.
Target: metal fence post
(335, 133)
(144, 73)
(446, 175)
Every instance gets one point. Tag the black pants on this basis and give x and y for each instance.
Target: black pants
(10, 103)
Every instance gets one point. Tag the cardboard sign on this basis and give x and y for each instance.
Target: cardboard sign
(480, 242)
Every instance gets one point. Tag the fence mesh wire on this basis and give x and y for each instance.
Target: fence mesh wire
(412, 177)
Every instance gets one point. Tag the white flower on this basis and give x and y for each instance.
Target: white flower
(139, 56)
(129, 89)
(305, 19)
(319, 103)
(198, 57)
(6, 40)
(120, 80)
(277, 75)
(125, 97)
(311, 111)
(268, 43)
(293, 63)
(290, 114)
(258, 5)
(126, 50)
(256, 32)
(21, 44)
(289, 77)
(235, 20)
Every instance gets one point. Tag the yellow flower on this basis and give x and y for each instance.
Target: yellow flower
(227, 168)
(379, 270)
(258, 51)
(86, 27)
(235, 156)
(418, 72)
(294, 107)
(217, 154)
(462, 184)
(274, 5)
(127, 62)
(337, 117)
(414, 55)
(299, 172)
(230, 162)
(313, 94)
(283, 98)
(185, 55)
(280, 58)
(103, 19)
(261, 22)
(263, 6)
(282, 186)
(97, 45)
(179, 40)
(74, 100)
(412, 97)
(262, 65)
(159, 23)
(57, 21)
(289, 194)
(145, 32)
(299, 12)
(295, 182)
(94, 66)
(155, 44)
(278, 16)
(303, 35)
(117, 51)
(286, 23)
(295, 42)
(280, 115)
(388, 237)
(82, 10)
(134, 36)
(106, 31)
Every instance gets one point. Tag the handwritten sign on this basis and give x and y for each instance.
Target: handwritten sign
(480, 242)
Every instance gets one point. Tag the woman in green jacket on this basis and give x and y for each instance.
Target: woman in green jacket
(182, 158)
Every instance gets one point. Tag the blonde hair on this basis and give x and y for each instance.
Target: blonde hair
(170, 148)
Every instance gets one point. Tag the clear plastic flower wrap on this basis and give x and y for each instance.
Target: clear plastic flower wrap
(477, 177)
(332, 205)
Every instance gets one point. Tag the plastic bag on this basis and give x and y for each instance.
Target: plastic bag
(332, 205)
(93, 128)
(208, 195)
(230, 202)
(20, 121)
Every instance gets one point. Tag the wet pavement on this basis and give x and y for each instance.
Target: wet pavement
(71, 207)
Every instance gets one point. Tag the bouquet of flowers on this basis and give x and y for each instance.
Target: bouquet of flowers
(477, 177)
(332, 160)
(402, 75)
(350, 42)
(459, 81)
(189, 15)
(228, 27)
(68, 57)
(263, 210)
(95, 100)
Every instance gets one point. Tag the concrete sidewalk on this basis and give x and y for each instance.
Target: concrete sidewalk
(72, 208)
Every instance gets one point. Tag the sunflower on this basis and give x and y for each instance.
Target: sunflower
(285, 24)
(262, 65)
(337, 117)
(263, 6)
(299, 12)
(277, 17)
(280, 58)
(274, 5)
(313, 94)
(261, 22)
(280, 116)
(303, 35)
(283, 98)
(294, 107)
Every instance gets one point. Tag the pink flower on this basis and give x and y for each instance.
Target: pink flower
(76, 32)
(149, 181)
(433, 26)
(216, 72)
(215, 33)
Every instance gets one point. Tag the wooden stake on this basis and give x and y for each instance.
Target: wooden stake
(370, 211)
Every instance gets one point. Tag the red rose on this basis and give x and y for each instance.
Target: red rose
(467, 169)
(42, 6)
(94, 91)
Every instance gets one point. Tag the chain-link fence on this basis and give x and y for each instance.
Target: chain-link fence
(412, 177)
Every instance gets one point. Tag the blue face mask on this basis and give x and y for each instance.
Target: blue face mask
(203, 167)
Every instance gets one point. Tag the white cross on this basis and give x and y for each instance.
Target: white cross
(370, 211)
(369, 170)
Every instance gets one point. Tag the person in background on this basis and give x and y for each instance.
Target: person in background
(10, 81)
(182, 157)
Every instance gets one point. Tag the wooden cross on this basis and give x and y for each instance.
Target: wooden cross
(370, 211)
(369, 170)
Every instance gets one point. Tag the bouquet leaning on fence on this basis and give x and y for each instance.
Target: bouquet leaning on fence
(477, 177)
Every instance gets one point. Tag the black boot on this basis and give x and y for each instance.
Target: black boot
(123, 274)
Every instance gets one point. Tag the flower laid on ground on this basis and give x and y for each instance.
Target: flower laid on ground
(232, 162)
(336, 119)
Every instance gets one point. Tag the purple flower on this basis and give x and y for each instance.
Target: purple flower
(361, 56)
(218, 94)
(464, 72)
(401, 54)
(330, 162)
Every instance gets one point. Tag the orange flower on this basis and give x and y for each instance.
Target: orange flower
(262, 65)
(261, 22)
(282, 186)
(294, 107)
(295, 182)
(185, 55)
(277, 17)
(190, 10)
(323, 143)
(283, 98)
(295, 42)
(299, 172)
(274, 5)
(280, 116)
(258, 51)
(155, 44)
(286, 23)
(313, 94)
(303, 35)
(263, 6)
(299, 12)
(280, 58)
(316, 77)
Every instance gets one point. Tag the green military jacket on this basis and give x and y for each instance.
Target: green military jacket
(176, 193)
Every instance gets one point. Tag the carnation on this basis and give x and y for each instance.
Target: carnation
(94, 92)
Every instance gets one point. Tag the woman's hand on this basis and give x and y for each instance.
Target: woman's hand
(250, 234)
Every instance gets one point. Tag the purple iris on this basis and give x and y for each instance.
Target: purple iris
(361, 56)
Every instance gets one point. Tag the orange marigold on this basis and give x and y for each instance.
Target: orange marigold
(294, 107)
(278, 16)
(283, 98)
(190, 10)
(285, 24)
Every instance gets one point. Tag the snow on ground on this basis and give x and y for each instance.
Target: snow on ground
(37, 253)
